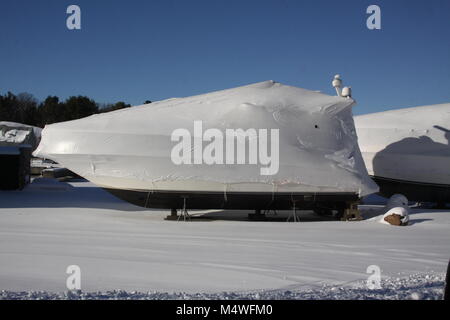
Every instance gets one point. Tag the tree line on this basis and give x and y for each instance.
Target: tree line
(25, 108)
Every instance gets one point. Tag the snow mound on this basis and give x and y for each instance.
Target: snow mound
(413, 287)
(399, 211)
(397, 200)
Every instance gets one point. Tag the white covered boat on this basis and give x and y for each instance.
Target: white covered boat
(16, 134)
(408, 151)
(300, 149)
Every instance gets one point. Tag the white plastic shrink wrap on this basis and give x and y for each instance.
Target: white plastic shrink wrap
(411, 144)
(131, 148)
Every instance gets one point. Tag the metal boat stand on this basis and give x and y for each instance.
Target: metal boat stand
(257, 216)
(184, 213)
(173, 215)
(352, 213)
(293, 215)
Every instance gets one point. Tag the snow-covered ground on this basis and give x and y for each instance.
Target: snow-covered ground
(51, 225)
(413, 287)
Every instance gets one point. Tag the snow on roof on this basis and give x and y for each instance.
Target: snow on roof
(37, 131)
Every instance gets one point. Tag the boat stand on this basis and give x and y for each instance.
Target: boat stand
(293, 215)
(352, 213)
(184, 213)
(173, 215)
(257, 216)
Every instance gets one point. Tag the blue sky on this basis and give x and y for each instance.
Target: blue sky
(138, 50)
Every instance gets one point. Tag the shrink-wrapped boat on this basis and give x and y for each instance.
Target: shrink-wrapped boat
(260, 146)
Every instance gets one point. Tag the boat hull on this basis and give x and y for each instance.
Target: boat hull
(407, 151)
(265, 145)
(424, 192)
(234, 200)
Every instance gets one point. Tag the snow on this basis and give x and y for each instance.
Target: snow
(397, 200)
(400, 211)
(36, 130)
(14, 136)
(413, 287)
(123, 249)
(12, 133)
(396, 205)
